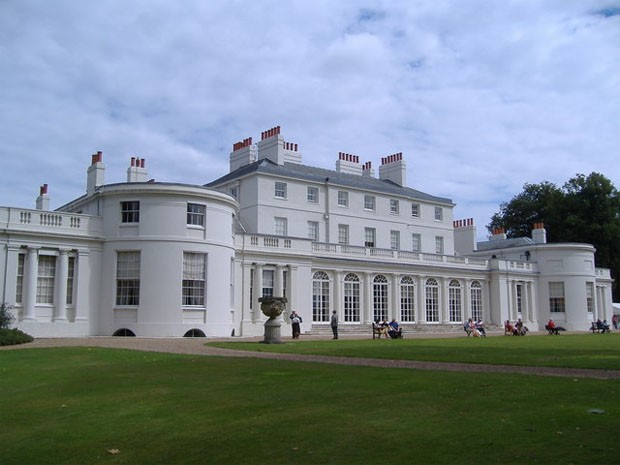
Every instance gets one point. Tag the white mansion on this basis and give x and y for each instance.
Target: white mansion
(148, 258)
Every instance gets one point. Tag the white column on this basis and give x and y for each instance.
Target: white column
(278, 284)
(336, 297)
(366, 303)
(467, 301)
(246, 305)
(81, 279)
(30, 283)
(444, 301)
(394, 303)
(421, 307)
(512, 301)
(60, 298)
(291, 290)
(10, 274)
(258, 292)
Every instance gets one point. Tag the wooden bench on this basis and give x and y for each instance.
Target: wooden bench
(378, 331)
(552, 331)
(599, 329)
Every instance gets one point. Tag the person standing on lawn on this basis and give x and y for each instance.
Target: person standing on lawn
(334, 324)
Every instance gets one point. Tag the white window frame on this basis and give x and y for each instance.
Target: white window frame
(475, 301)
(343, 199)
(280, 226)
(455, 301)
(343, 234)
(312, 194)
(196, 214)
(394, 207)
(70, 279)
(194, 283)
(268, 283)
(370, 237)
(415, 210)
(46, 279)
(590, 297)
(370, 203)
(351, 296)
(407, 299)
(416, 242)
(395, 240)
(431, 295)
(439, 245)
(320, 297)
(280, 190)
(19, 284)
(130, 211)
(313, 230)
(557, 297)
(128, 278)
(438, 214)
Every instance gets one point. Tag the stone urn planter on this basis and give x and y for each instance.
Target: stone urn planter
(273, 308)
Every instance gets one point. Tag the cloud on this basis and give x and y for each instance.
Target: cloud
(480, 96)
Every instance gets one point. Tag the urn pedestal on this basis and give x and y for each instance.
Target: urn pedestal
(273, 308)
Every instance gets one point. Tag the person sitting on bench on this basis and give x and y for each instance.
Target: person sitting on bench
(603, 326)
(394, 330)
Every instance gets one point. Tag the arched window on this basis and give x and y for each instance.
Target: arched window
(320, 297)
(195, 332)
(476, 300)
(455, 301)
(351, 298)
(124, 332)
(380, 298)
(431, 289)
(407, 299)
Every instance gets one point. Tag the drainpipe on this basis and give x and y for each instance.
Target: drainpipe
(326, 214)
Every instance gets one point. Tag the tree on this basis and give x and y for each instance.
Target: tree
(537, 203)
(586, 209)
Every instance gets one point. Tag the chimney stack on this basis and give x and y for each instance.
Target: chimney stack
(348, 163)
(243, 153)
(539, 233)
(393, 168)
(95, 173)
(464, 236)
(43, 200)
(498, 234)
(137, 170)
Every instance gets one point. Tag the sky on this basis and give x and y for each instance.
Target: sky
(480, 96)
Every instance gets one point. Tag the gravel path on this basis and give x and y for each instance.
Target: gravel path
(196, 346)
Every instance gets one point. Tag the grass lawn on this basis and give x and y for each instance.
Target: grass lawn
(73, 405)
(600, 351)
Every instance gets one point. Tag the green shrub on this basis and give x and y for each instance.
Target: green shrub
(6, 317)
(10, 337)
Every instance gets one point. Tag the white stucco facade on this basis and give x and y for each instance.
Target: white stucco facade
(166, 259)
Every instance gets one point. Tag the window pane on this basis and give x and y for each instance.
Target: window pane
(313, 195)
(196, 214)
(194, 277)
(415, 210)
(45, 280)
(130, 212)
(280, 190)
(128, 278)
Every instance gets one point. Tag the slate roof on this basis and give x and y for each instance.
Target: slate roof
(319, 175)
(501, 244)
